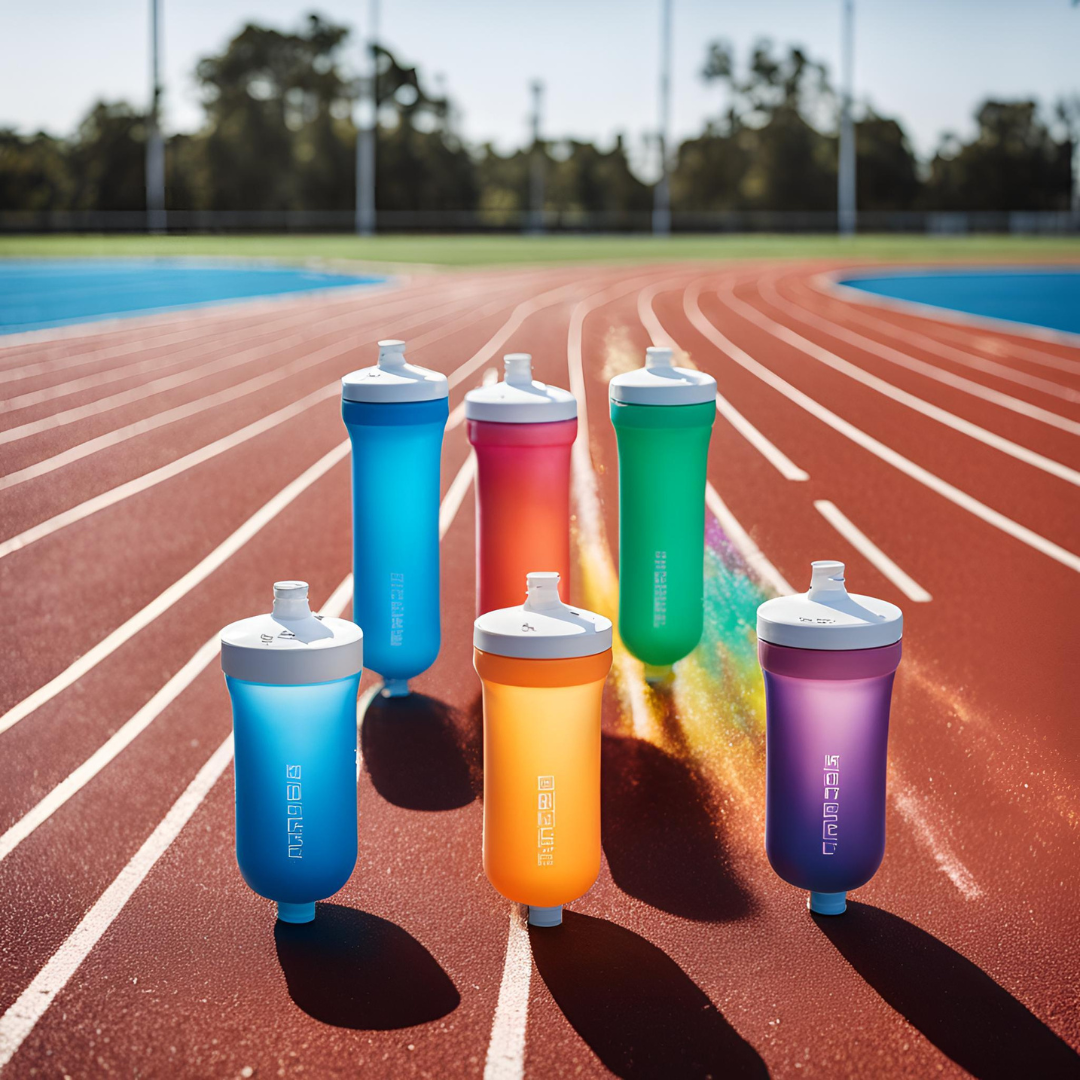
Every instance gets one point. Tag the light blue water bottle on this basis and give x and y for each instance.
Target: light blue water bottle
(396, 413)
(293, 678)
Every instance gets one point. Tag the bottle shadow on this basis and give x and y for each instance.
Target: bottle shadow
(953, 1002)
(660, 836)
(413, 753)
(638, 1011)
(355, 970)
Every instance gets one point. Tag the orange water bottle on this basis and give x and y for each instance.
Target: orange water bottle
(522, 431)
(543, 666)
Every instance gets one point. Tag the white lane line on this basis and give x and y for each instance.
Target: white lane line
(752, 555)
(355, 319)
(455, 494)
(874, 446)
(182, 412)
(506, 1048)
(873, 554)
(912, 401)
(457, 414)
(1017, 405)
(592, 537)
(907, 801)
(22, 1016)
(177, 591)
(929, 344)
(771, 453)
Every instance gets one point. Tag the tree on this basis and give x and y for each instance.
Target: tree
(1013, 163)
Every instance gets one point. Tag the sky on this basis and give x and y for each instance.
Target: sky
(927, 62)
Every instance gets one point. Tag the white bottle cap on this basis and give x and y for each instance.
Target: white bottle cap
(659, 382)
(394, 380)
(291, 646)
(520, 399)
(543, 628)
(828, 616)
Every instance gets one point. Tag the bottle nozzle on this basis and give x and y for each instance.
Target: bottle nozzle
(296, 913)
(391, 353)
(291, 600)
(543, 590)
(827, 577)
(827, 903)
(658, 356)
(545, 916)
(518, 367)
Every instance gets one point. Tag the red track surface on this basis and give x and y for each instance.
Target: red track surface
(688, 957)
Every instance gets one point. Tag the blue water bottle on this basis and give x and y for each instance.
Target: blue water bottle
(293, 678)
(396, 413)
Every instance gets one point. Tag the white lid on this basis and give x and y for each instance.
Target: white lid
(543, 628)
(519, 399)
(392, 379)
(291, 647)
(660, 383)
(828, 616)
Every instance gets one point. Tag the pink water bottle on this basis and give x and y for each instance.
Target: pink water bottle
(829, 658)
(522, 431)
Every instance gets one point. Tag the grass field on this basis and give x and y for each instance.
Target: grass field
(477, 250)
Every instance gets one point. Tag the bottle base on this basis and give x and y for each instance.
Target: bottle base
(658, 674)
(296, 913)
(395, 688)
(827, 903)
(545, 916)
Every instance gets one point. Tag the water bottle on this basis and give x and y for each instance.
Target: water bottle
(829, 658)
(543, 666)
(663, 418)
(293, 679)
(396, 413)
(522, 431)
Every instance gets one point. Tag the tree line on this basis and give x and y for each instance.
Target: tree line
(279, 135)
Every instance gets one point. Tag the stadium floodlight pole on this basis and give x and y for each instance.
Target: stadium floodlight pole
(155, 147)
(845, 177)
(661, 218)
(367, 131)
(536, 164)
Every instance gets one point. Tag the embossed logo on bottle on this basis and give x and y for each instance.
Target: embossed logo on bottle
(830, 812)
(294, 811)
(397, 608)
(545, 821)
(659, 601)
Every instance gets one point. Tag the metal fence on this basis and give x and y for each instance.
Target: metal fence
(1048, 223)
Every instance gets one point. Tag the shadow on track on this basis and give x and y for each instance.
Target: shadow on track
(355, 970)
(660, 837)
(639, 1012)
(953, 1002)
(412, 750)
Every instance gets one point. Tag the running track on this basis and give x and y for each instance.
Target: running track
(158, 474)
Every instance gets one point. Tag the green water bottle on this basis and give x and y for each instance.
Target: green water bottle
(663, 417)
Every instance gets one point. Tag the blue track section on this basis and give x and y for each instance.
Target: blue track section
(39, 293)
(1048, 297)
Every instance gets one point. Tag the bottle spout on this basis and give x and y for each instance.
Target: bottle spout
(658, 356)
(395, 688)
(543, 591)
(518, 368)
(391, 354)
(827, 903)
(545, 916)
(826, 580)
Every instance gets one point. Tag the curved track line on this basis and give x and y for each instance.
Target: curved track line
(902, 397)
(771, 453)
(768, 292)
(874, 446)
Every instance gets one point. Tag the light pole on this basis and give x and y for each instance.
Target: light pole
(661, 218)
(536, 164)
(367, 131)
(845, 176)
(155, 147)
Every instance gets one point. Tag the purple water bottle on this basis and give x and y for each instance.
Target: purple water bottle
(829, 658)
